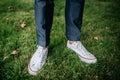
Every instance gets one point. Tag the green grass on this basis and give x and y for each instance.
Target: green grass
(101, 19)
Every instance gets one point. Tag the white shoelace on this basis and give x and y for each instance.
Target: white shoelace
(82, 48)
(39, 52)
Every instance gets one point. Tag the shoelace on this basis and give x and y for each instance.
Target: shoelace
(39, 51)
(82, 48)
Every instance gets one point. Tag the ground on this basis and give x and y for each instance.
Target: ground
(100, 34)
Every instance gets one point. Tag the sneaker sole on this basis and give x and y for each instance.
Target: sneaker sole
(32, 72)
(89, 61)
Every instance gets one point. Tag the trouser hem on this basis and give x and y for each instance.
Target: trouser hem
(43, 43)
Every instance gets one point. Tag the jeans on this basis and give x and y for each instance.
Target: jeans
(44, 17)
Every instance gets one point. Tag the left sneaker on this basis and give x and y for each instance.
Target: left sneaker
(38, 60)
(82, 52)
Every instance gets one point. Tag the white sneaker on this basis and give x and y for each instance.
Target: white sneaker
(37, 61)
(83, 54)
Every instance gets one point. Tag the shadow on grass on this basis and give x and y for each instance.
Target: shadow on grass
(111, 70)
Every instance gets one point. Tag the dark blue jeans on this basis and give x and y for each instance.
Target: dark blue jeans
(44, 17)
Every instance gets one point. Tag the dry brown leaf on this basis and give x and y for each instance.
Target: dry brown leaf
(5, 57)
(22, 25)
(96, 38)
(7, 19)
(14, 52)
(10, 7)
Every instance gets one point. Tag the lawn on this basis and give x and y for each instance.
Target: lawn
(100, 35)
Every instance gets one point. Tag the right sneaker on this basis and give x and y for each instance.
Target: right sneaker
(82, 52)
(38, 60)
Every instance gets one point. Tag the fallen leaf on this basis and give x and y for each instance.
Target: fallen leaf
(22, 24)
(96, 38)
(14, 52)
(5, 57)
(10, 7)
(7, 19)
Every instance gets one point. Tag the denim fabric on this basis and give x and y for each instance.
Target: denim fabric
(73, 18)
(44, 17)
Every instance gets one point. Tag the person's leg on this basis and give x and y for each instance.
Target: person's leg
(73, 14)
(43, 18)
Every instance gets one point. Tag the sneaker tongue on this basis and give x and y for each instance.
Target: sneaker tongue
(40, 47)
(76, 42)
